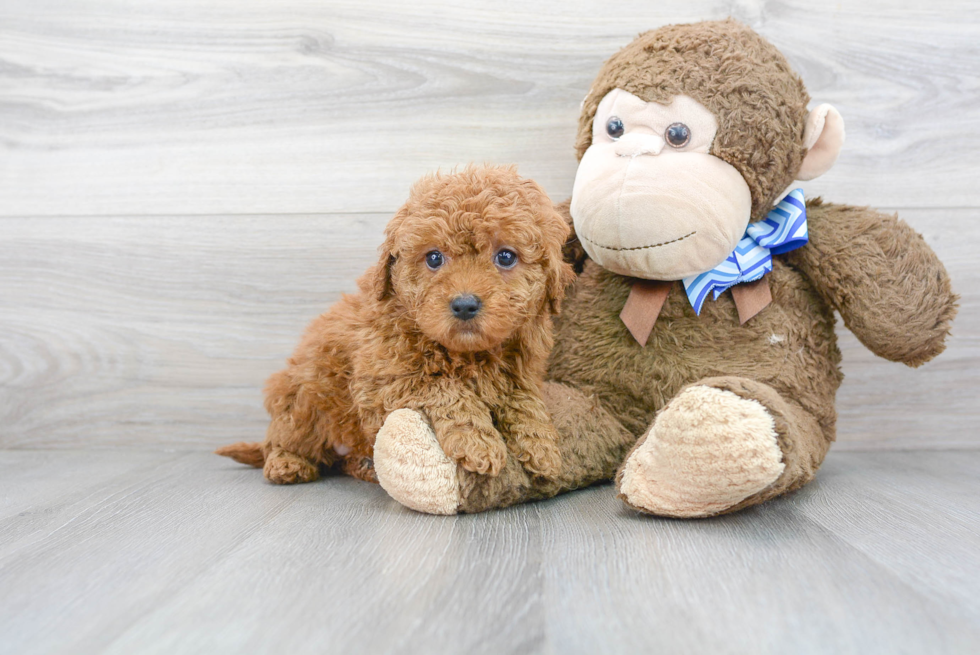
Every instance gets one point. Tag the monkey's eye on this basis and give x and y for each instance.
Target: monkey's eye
(615, 127)
(677, 135)
(505, 259)
(434, 260)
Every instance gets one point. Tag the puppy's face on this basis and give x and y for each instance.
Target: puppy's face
(473, 255)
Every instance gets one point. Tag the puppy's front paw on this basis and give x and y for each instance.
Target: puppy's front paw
(537, 449)
(475, 450)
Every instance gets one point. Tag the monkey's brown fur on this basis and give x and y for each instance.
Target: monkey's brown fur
(396, 344)
(889, 287)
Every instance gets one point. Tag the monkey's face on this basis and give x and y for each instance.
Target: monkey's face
(649, 200)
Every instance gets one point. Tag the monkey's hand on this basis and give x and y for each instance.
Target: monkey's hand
(888, 285)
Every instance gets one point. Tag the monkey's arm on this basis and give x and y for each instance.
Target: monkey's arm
(573, 251)
(888, 285)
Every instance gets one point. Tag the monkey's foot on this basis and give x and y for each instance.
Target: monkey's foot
(283, 467)
(411, 466)
(707, 450)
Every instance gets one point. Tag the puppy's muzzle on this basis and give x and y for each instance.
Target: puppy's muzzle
(465, 307)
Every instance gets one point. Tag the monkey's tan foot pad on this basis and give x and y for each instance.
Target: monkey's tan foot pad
(411, 466)
(282, 467)
(707, 450)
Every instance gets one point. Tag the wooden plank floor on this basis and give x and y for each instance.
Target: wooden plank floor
(183, 552)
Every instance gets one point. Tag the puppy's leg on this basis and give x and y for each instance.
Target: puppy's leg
(461, 421)
(466, 433)
(530, 433)
(297, 439)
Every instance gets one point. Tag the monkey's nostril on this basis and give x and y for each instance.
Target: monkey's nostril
(465, 307)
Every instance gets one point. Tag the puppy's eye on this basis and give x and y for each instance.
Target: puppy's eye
(677, 135)
(615, 127)
(505, 258)
(434, 260)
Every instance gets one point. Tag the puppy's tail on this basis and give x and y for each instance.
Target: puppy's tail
(246, 453)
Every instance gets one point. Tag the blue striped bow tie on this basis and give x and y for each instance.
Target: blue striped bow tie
(782, 230)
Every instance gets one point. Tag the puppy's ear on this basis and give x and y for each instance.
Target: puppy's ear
(558, 273)
(381, 277)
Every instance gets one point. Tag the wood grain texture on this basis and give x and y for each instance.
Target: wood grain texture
(196, 554)
(160, 331)
(112, 107)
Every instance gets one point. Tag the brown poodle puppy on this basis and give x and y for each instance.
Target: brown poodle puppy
(455, 321)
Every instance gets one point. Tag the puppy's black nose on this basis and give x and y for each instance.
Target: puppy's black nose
(465, 307)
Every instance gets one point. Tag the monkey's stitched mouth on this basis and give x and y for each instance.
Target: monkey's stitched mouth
(656, 245)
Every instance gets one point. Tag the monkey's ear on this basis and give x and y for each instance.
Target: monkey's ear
(381, 285)
(823, 139)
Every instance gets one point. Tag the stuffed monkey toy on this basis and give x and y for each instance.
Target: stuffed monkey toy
(695, 359)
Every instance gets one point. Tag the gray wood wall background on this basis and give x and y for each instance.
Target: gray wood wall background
(184, 185)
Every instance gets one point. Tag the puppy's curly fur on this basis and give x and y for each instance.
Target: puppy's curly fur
(398, 343)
